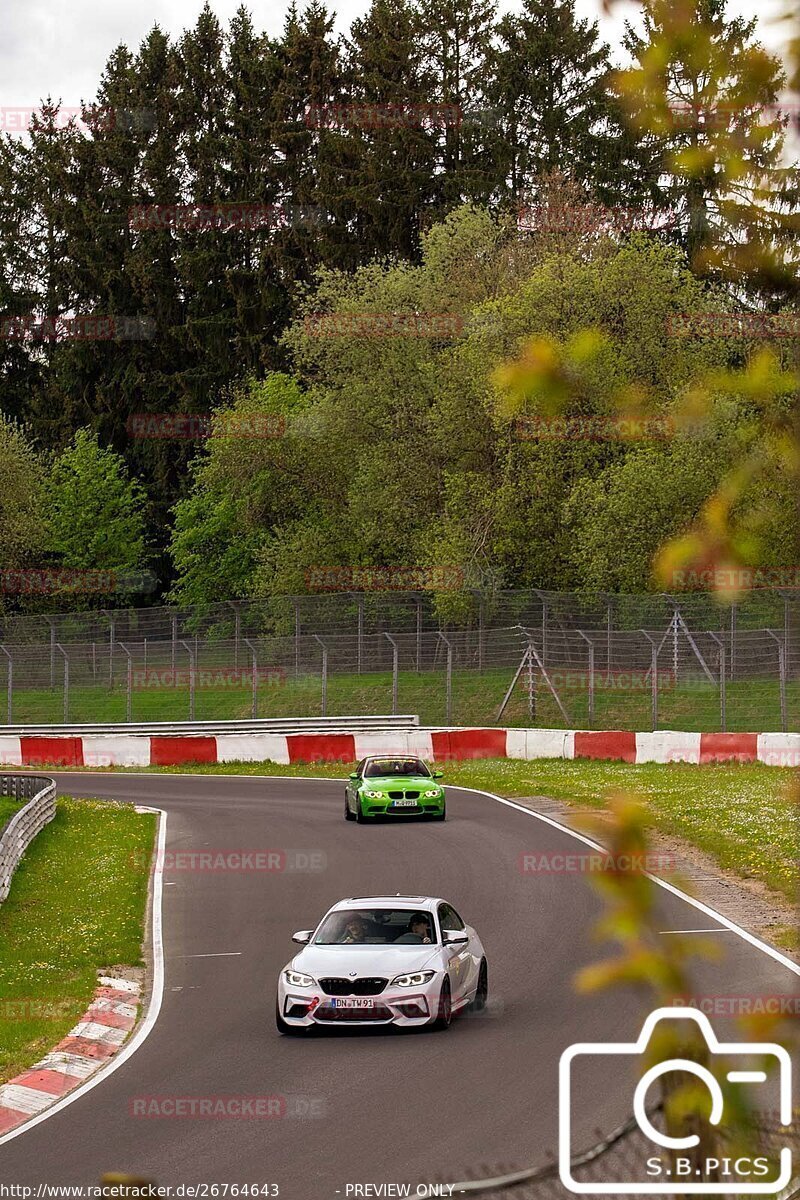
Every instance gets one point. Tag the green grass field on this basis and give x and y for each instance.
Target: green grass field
(76, 906)
(476, 698)
(7, 809)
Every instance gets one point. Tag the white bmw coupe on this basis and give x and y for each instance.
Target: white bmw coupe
(383, 960)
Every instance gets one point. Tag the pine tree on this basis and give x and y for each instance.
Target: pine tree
(392, 185)
(311, 152)
(704, 95)
(551, 85)
(46, 291)
(250, 176)
(208, 335)
(20, 372)
(458, 53)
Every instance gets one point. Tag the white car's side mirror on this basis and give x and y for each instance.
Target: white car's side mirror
(302, 937)
(454, 937)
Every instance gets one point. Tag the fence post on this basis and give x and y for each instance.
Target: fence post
(609, 630)
(394, 671)
(174, 643)
(247, 642)
(296, 604)
(192, 681)
(317, 638)
(653, 680)
(531, 685)
(52, 625)
(782, 669)
(110, 648)
(732, 665)
(481, 623)
(590, 644)
(9, 685)
(129, 688)
(781, 677)
(66, 682)
(419, 634)
(723, 702)
(237, 631)
(448, 716)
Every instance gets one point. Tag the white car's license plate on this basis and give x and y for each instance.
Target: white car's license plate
(405, 804)
(354, 1002)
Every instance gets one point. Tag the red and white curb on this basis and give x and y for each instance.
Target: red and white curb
(93, 1041)
(435, 745)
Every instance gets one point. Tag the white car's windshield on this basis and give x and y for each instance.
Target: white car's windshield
(395, 766)
(376, 927)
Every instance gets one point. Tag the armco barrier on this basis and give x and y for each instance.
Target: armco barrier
(25, 824)
(441, 745)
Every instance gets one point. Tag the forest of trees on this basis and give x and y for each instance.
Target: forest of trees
(438, 161)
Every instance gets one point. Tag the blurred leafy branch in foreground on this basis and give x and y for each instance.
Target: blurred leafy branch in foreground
(658, 969)
(740, 231)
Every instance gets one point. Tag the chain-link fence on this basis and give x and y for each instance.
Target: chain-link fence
(626, 662)
(621, 1158)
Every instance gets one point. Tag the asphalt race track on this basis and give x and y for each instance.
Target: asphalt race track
(360, 1106)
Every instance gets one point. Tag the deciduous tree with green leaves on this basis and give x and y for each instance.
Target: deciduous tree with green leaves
(95, 511)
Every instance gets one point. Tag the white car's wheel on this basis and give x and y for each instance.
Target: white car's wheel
(481, 996)
(444, 1015)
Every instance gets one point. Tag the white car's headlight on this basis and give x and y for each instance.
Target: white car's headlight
(415, 979)
(433, 794)
(298, 979)
(373, 795)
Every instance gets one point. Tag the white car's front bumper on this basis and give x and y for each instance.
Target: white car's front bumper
(306, 1007)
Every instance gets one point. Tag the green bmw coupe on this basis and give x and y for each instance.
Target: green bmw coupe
(383, 786)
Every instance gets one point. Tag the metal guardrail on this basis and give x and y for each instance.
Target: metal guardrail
(40, 791)
(280, 725)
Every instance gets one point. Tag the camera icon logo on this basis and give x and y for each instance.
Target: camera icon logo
(670, 1173)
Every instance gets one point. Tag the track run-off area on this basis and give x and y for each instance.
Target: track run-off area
(356, 1106)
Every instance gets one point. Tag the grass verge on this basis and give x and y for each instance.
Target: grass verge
(76, 906)
(620, 703)
(745, 815)
(7, 809)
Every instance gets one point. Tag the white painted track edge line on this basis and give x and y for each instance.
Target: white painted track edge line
(153, 1008)
(698, 904)
(158, 947)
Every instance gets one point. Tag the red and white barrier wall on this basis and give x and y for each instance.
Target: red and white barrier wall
(436, 745)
